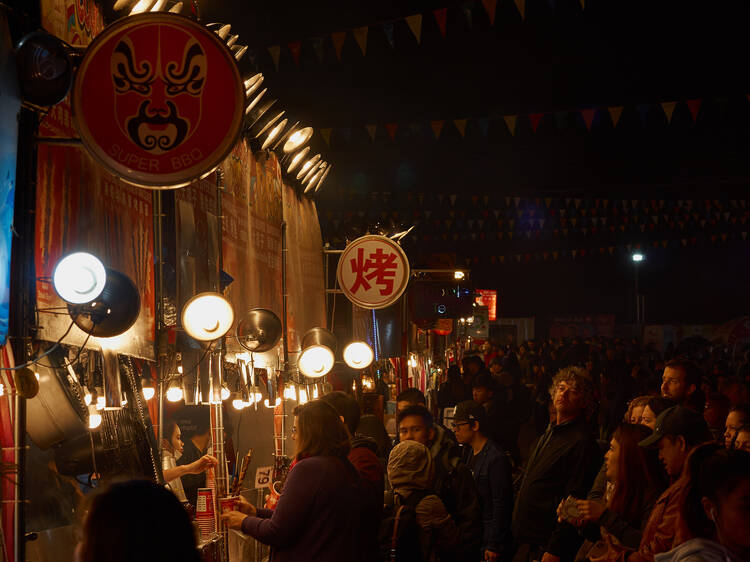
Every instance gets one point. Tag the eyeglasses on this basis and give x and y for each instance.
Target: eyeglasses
(456, 425)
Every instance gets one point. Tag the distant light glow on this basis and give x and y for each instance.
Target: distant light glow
(458, 275)
(638, 257)
(148, 392)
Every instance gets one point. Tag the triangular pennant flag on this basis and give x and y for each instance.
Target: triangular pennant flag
(521, 5)
(510, 121)
(694, 106)
(415, 24)
(296, 48)
(437, 127)
(338, 39)
(441, 17)
(371, 130)
(668, 107)
(275, 52)
(391, 128)
(389, 34)
(326, 134)
(614, 114)
(318, 46)
(461, 126)
(360, 35)
(484, 125)
(467, 8)
(490, 6)
(535, 118)
(588, 117)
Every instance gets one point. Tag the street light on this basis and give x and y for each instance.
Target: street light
(637, 258)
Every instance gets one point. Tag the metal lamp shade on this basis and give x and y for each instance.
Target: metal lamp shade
(45, 70)
(318, 352)
(113, 312)
(207, 316)
(259, 330)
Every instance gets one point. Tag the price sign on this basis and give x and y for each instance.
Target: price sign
(263, 476)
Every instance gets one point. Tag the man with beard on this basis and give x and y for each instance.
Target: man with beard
(681, 383)
(564, 463)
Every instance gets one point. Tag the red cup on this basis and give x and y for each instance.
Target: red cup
(227, 504)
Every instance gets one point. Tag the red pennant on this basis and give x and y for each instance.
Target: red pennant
(535, 118)
(490, 6)
(588, 117)
(391, 128)
(441, 17)
(296, 49)
(694, 106)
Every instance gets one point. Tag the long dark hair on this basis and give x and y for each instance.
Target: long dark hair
(640, 475)
(169, 427)
(713, 472)
(320, 431)
(137, 520)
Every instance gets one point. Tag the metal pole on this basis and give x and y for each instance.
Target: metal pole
(19, 438)
(637, 304)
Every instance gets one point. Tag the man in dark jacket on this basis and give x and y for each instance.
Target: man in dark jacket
(564, 462)
(493, 476)
(363, 455)
(454, 483)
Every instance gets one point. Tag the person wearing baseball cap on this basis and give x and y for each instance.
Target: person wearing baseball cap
(492, 472)
(677, 432)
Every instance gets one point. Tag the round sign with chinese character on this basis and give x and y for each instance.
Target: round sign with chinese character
(158, 100)
(373, 271)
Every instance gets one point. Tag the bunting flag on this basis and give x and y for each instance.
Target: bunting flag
(510, 122)
(338, 39)
(694, 106)
(326, 134)
(588, 117)
(275, 52)
(461, 126)
(360, 35)
(614, 114)
(490, 7)
(441, 17)
(389, 33)
(371, 130)
(521, 5)
(296, 48)
(535, 118)
(415, 24)
(391, 128)
(668, 107)
(437, 127)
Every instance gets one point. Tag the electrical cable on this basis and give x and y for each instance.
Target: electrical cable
(37, 359)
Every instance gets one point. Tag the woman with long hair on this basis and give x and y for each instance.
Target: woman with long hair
(716, 507)
(637, 479)
(171, 447)
(136, 521)
(321, 499)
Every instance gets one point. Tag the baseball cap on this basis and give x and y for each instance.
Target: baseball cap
(676, 420)
(469, 411)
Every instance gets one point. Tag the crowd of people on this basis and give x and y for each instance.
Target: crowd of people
(586, 450)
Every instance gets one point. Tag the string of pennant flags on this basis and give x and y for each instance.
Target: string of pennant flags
(582, 119)
(413, 22)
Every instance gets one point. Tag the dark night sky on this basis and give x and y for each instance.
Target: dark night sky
(559, 58)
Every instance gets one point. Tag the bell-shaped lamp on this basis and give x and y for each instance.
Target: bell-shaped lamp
(113, 311)
(358, 355)
(318, 352)
(259, 330)
(45, 70)
(79, 278)
(207, 316)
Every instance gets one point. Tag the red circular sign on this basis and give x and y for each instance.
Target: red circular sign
(373, 271)
(158, 100)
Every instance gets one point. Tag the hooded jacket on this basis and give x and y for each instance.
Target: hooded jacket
(410, 468)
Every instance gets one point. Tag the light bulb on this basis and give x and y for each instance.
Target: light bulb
(174, 393)
(316, 361)
(148, 392)
(224, 392)
(207, 316)
(238, 404)
(2, 389)
(302, 396)
(87, 398)
(297, 139)
(267, 404)
(79, 278)
(95, 418)
(358, 355)
(315, 392)
(100, 402)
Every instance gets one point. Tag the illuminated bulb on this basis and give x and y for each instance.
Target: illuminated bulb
(302, 396)
(316, 361)
(2, 389)
(141, 6)
(100, 402)
(174, 392)
(179, 364)
(95, 418)
(224, 392)
(297, 159)
(638, 257)
(148, 392)
(267, 404)
(289, 392)
(458, 275)
(273, 134)
(207, 316)
(79, 278)
(470, 320)
(297, 139)
(307, 165)
(238, 403)
(87, 398)
(315, 392)
(36, 375)
(358, 355)
(124, 400)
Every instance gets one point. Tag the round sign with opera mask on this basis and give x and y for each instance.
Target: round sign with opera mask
(158, 100)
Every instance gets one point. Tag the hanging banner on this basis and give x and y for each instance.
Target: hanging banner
(373, 271)
(487, 298)
(158, 100)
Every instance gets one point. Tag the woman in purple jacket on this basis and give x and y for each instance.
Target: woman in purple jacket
(319, 510)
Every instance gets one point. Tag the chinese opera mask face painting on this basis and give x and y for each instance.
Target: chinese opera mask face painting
(158, 87)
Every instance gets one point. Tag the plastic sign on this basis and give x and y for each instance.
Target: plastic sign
(488, 298)
(373, 271)
(158, 100)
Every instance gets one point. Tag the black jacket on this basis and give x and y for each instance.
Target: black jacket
(493, 475)
(564, 462)
(191, 482)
